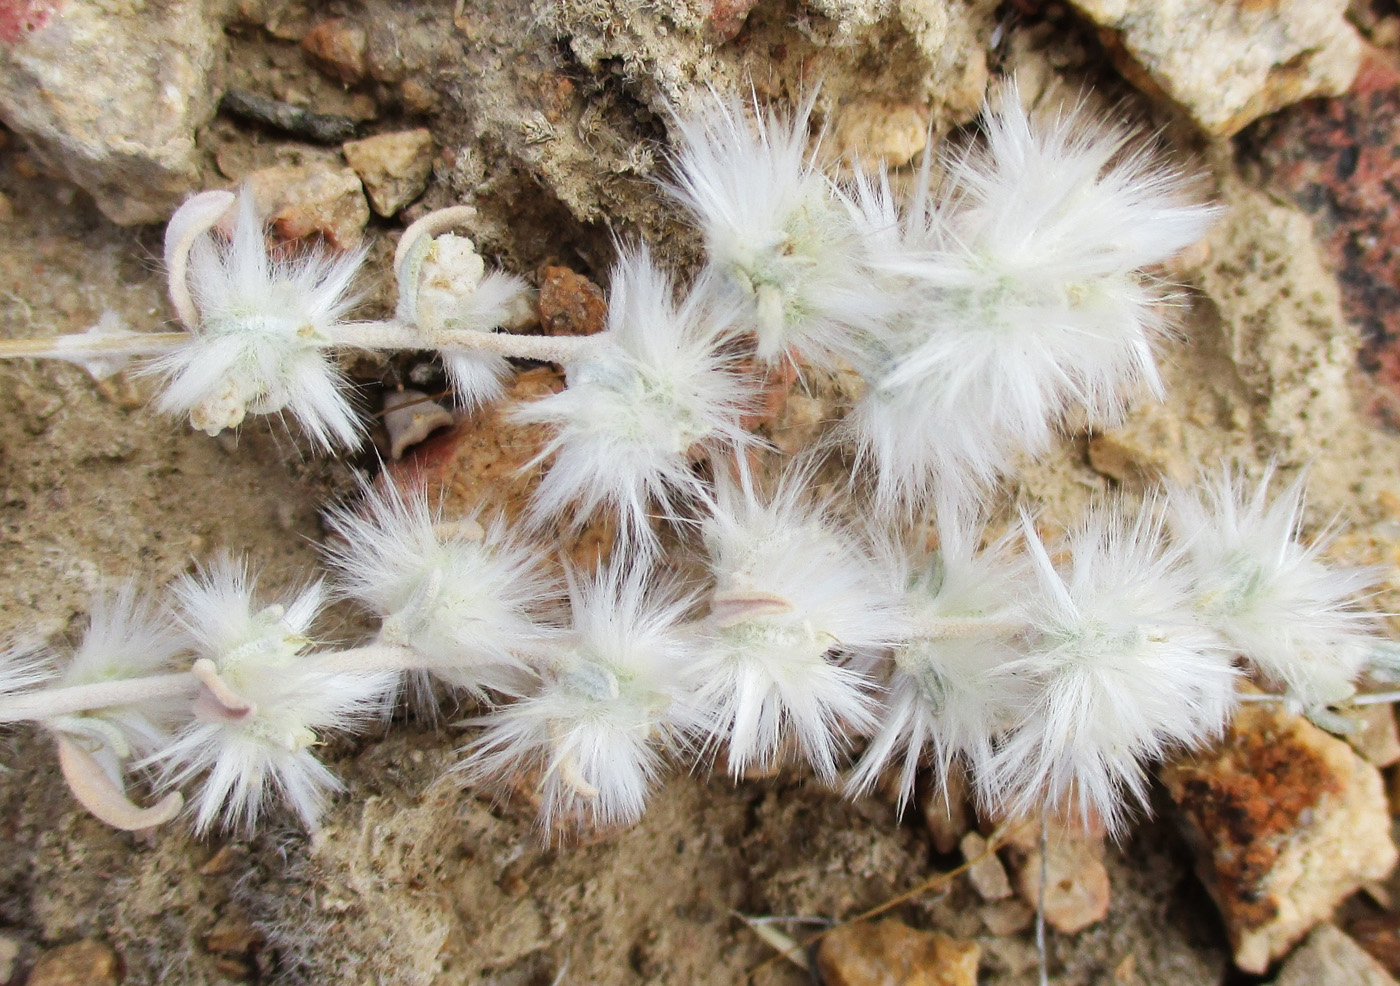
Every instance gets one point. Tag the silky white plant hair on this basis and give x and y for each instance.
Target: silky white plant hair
(612, 703)
(245, 755)
(798, 614)
(660, 386)
(1024, 294)
(261, 343)
(127, 636)
(1124, 674)
(777, 230)
(1277, 602)
(479, 378)
(951, 689)
(468, 600)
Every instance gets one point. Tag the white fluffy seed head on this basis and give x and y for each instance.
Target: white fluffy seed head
(777, 231)
(261, 344)
(952, 690)
(799, 612)
(1123, 673)
(468, 601)
(258, 654)
(24, 667)
(126, 637)
(1023, 295)
(660, 384)
(1286, 610)
(455, 293)
(611, 704)
(479, 378)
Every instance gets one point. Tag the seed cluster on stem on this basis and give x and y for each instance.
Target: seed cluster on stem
(979, 319)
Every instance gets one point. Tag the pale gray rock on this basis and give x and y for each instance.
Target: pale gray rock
(393, 167)
(109, 93)
(1229, 63)
(1330, 958)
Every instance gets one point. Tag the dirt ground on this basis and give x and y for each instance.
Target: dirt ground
(413, 880)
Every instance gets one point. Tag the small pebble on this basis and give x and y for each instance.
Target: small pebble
(987, 875)
(570, 304)
(337, 47)
(233, 934)
(890, 953)
(1329, 958)
(84, 963)
(394, 167)
(312, 199)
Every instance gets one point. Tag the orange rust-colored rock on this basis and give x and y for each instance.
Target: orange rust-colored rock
(1287, 821)
(570, 304)
(482, 467)
(337, 47)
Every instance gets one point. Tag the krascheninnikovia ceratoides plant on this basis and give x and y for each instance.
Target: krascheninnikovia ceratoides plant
(1000, 307)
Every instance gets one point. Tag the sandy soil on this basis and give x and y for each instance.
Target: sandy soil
(413, 880)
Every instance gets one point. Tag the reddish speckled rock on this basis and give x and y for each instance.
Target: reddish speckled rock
(315, 199)
(1339, 160)
(337, 47)
(20, 17)
(570, 304)
(1287, 821)
(726, 18)
(480, 467)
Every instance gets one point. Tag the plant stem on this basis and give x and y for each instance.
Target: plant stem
(371, 657)
(398, 335)
(1041, 949)
(79, 346)
(964, 627)
(47, 703)
(1376, 698)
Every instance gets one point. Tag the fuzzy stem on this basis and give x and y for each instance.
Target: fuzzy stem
(965, 627)
(1042, 951)
(360, 335)
(1372, 698)
(80, 346)
(398, 335)
(1376, 698)
(371, 657)
(48, 703)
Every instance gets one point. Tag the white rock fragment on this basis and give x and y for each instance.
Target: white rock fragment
(411, 416)
(1331, 958)
(1227, 64)
(111, 95)
(987, 875)
(394, 167)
